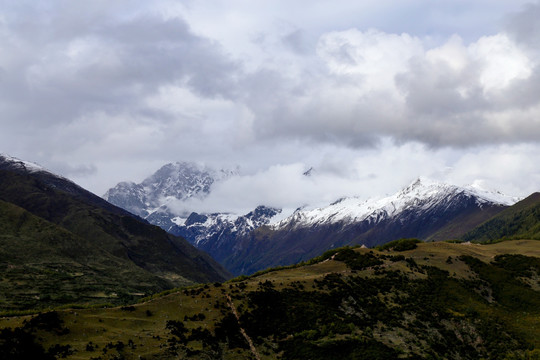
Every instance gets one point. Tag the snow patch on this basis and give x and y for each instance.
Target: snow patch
(27, 165)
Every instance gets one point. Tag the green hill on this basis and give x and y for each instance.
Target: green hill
(520, 221)
(437, 301)
(61, 244)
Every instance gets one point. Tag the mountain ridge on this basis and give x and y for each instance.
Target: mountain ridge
(353, 209)
(425, 209)
(146, 258)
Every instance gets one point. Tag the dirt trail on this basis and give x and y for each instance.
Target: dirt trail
(244, 334)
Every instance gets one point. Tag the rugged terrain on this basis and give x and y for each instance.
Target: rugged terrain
(426, 209)
(267, 237)
(405, 299)
(174, 182)
(61, 244)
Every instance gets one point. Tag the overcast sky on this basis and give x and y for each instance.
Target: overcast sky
(372, 94)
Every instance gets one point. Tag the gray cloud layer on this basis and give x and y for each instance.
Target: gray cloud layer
(120, 88)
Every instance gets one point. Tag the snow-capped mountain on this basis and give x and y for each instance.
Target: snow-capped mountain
(266, 237)
(217, 233)
(425, 209)
(173, 182)
(420, 196)
(201, 228)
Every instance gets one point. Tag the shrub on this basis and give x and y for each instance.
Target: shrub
(400, 245)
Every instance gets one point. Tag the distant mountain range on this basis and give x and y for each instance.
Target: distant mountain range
(426, 210)
(60, 243)
(266, 237)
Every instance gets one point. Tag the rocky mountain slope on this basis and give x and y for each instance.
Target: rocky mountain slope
(218, 234)
(173, 182)
(61, 243)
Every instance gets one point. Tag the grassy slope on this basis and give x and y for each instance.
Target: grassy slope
(43, 265)
(520, 221)
(61, 234)
(403, 306)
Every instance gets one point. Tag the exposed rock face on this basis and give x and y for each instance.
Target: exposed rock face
(171, 183)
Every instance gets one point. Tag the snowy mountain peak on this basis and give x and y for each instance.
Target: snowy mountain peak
(421, 194)
(425, 187)
(493, 196)
(179, 180)
(424, 182)
(173, 181)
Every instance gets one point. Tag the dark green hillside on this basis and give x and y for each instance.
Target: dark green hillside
(56, 234)
(43, 265)
(520, 221)
(464, 223)
(436, 301)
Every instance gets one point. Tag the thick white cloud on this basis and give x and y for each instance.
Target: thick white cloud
(372, 58)
(393, 85)
(501, 62)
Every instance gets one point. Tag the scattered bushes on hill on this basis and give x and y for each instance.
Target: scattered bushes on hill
(400, 245)
(519, 265)
(356, 260)
(21, 343)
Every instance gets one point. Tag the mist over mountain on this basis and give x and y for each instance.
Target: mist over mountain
(174, 182)
(348, 160)
(61, 245)
(269, 236)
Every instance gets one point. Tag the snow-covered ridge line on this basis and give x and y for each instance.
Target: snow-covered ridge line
(223, 225)
(422, 193)
(27, 165)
